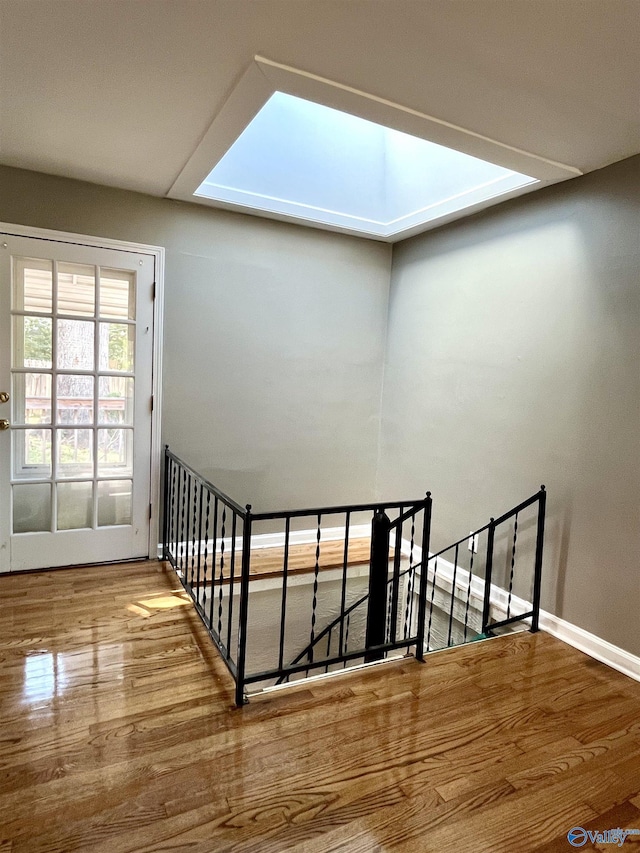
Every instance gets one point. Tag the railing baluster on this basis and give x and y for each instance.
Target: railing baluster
(283, 606)
(174, 516)
(223, 532)
(453, 595)
(328, 655)
(194, 520)
(206, 555)
(214, 558)
(315, 589)
(408, 613)
(244, 607)
(387, 632)
(200, 493)
(395, 587)
(466, 612)
(537, 571)
(165, 504)
(181, 491)
(232, 570)
(513, 563)
(408, 610)
(424, 576)
(346, 639)
(433, 592)
(486, 609)
(345, 563)
(187, 544)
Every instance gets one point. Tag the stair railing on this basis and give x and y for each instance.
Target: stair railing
(208, 538)
(462, 600)
(343, 619)
(375, 644)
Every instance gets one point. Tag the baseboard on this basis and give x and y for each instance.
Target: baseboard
(591, 645)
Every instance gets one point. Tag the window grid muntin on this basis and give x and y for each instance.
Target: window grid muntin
(18, 267)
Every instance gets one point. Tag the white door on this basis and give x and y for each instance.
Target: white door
(76, 356)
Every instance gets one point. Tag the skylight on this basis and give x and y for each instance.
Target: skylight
(288, 144)
(299, 159)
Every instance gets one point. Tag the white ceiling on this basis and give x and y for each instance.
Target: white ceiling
(121, 92)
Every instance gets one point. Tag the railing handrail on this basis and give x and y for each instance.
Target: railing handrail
(494, 521)
(338, 510)
(234, 505)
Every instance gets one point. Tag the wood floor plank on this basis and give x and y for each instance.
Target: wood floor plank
(119, 735)
(301, 559)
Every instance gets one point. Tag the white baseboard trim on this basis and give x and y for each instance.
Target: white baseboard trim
(572, 635)
(591, 645)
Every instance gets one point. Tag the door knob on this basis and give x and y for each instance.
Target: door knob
(4, 397)
(4, 423)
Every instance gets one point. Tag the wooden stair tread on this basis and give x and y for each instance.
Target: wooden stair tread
(269, 562)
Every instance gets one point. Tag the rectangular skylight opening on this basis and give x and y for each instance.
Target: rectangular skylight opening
(304, 160)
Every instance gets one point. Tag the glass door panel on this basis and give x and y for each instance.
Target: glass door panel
(80, 431)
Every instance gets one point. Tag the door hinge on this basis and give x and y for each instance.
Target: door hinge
(150, 511)
(152, 396)
(153, 290)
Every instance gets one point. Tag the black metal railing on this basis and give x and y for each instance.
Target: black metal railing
(399, 597)
(464, 597)
(207, 538)
(477, 583)
(338, 628)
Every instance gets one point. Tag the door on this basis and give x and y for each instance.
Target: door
(76, 357)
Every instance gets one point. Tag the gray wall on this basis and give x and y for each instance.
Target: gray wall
(274, 337)
(513, 359)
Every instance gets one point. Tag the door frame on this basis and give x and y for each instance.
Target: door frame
(157, 252)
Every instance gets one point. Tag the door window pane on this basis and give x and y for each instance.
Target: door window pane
(115, 403)
(31, 508)
(72, 390)
(76, 289)
(75, 453)
(75, 345)
(31, 342)
(31, 398)
(115, 452)
(75, 399)
(75, 505)
(114, 502)
(117, 294)
(31, 453)
(32, 285)
(116, 347)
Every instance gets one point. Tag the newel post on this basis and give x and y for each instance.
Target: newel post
(244, 608)
(378, 576)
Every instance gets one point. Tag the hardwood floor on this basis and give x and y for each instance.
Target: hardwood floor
(119, 734)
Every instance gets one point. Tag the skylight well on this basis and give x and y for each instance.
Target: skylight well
(320, 164)
(363, 165)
